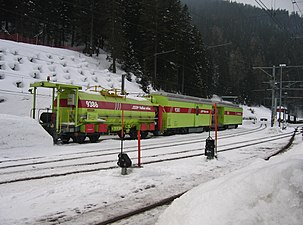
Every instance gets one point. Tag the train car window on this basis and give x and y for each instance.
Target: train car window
(197, 110)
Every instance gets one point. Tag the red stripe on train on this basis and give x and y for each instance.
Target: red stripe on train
(89, 104)
(229, 113)
(168, 109)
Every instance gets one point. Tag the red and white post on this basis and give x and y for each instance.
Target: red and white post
(216, 128)
(139, 148)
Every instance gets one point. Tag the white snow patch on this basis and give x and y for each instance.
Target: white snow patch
(266, 192)
(22, 132)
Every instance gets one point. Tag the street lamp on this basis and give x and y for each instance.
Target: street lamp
(155, 63)
(280, 102)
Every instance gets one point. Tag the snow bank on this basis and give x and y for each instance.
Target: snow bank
(22, 132)
(268, 192)
(250, 113)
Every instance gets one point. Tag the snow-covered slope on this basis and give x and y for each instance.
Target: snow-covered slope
(22, 132)
(266, 192)
(256, 112)
(22, 64)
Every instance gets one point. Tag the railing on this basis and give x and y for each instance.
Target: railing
(19, 38)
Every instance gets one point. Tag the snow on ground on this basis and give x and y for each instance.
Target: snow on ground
(254, 113)
(254, 195)
(262, 192)
(266, 192)
(22, 132)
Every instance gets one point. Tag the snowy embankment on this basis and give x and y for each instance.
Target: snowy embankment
(266, 192)
(22, 64)
(255, 113)
(22, 132)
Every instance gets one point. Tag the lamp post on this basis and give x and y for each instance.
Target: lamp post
(155, 61)
(280, 101)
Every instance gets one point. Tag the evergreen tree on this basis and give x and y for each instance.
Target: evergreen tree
(130, 59)
(256, 37)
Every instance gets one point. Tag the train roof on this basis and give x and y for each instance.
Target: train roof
(186, 98)
(48, 84)
(182, 98)
(225, 103)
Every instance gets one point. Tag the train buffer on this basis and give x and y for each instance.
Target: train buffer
(124, 162)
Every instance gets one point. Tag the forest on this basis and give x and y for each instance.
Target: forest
(240, 37)
(193, 47)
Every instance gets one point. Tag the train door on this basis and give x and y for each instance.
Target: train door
(197, 118)
(71, 102)
(66, 111)
(220, 116)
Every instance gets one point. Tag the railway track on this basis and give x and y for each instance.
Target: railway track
(110, 151)
(101, 196)
(20, 172)
(106, 152)
(168, 200)
(115, 150)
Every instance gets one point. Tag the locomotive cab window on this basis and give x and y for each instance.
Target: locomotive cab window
(71, 100)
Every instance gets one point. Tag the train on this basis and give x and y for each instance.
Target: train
(76, 114)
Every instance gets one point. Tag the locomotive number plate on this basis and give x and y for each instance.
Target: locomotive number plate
(92, 104)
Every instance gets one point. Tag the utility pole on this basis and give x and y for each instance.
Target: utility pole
(91, 29)
(182, 90)
(273, 86)
(273, 82)
(114, 69)
(273, 108)
(155, 61)
(280, 96)
(156, 42)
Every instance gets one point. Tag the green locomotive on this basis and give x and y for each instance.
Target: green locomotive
(78, 114)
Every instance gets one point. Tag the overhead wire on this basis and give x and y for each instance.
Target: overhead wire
(21, 93)
(294, 2)
(267, 10)
(245, 16)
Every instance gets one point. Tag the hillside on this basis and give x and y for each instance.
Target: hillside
(240, 37)
(22, 64)
(135, 34)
